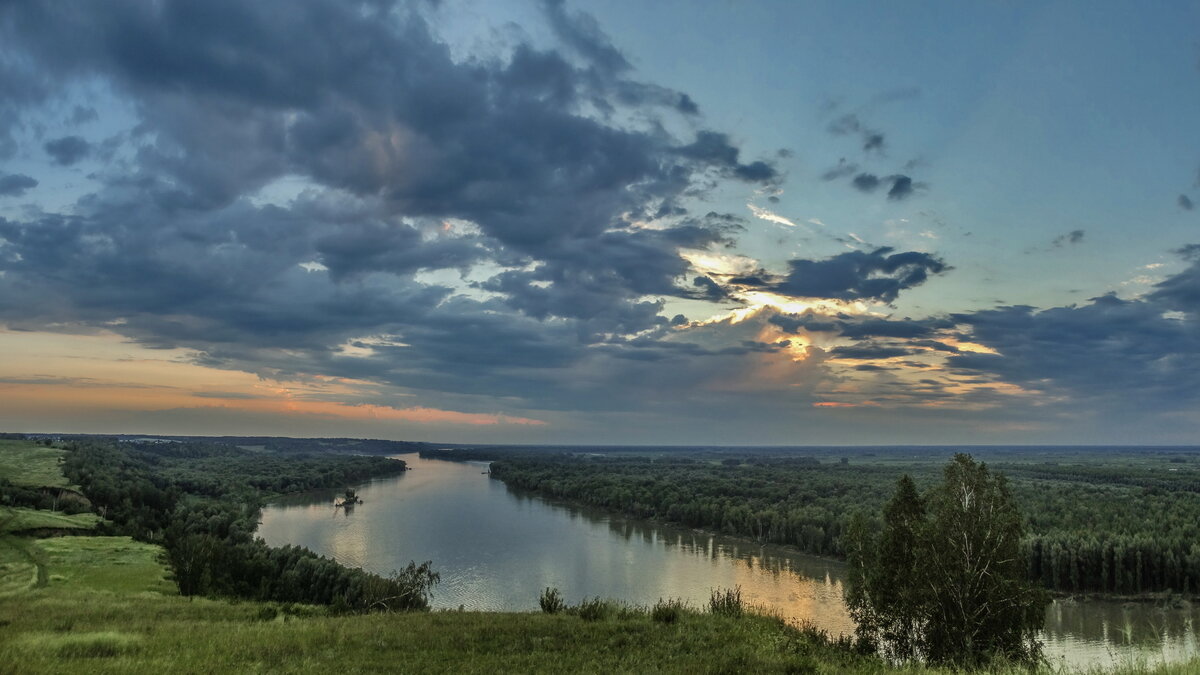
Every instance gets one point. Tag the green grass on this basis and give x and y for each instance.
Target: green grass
(18, 569)
(63, 630)
(111, 564)
(27, 463)
(55, 632)
(19, 519)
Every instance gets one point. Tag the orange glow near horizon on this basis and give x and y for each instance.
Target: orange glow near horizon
(56, 376)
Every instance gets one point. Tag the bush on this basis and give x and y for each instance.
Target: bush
(594, 609)
(667, 611)
(726, 601)
(551, 601)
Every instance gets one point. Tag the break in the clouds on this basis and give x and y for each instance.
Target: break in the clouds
(412, 220)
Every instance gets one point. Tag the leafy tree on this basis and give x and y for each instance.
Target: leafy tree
(885, 594)
(945, 579)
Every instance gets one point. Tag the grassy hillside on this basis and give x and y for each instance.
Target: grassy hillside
(29, 464)
(148, 633)
(20, 519)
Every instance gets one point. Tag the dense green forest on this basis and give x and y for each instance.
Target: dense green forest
(200, 501)
(1106, 521)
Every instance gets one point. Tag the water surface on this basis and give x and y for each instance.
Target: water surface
(497, 549)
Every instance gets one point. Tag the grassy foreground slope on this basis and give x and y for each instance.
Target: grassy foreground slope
(103, 622)
(148, 633)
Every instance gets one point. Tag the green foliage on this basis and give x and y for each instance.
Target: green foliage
(594, 609)
(551, 601)
(667, 611)
(945, 579)
(1089, 527)
(201, 502)
(726, 601)
(884, 593)
(58, 499)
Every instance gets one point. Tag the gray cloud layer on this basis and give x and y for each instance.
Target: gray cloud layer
(469, 227)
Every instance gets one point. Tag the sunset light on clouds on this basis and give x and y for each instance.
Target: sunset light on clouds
(549, 222)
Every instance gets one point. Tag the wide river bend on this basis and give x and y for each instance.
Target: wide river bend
(497, 549)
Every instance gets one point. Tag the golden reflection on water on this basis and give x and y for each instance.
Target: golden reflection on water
(497, 549)
(771, 583)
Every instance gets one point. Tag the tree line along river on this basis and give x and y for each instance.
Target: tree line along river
(497, 549)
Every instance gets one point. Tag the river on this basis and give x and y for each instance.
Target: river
(497, 549)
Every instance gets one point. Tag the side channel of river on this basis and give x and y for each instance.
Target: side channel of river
(497, 550)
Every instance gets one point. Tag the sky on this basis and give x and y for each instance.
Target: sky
(607, 222)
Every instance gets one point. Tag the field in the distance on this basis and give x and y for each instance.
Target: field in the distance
(29, 464)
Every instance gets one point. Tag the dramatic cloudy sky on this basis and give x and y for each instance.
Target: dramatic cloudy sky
(620, 221)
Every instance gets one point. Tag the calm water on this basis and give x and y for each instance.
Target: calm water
(496, 550)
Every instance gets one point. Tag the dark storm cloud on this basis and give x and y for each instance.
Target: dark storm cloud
(68, 149)
(1185, 203)
(363, 247)
(901, 186)
(869, 351)
(607, 66)
(859, 328)
(878, 275)
(1072, 237)
(1188, 251)
(715, 149)
(866, 182)
(15, 184)
(1181, 292)
(1135, 354)
(1122, 349)
(582, 33)
(414, 162)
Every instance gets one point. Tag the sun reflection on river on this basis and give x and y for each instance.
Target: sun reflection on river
(496, 549)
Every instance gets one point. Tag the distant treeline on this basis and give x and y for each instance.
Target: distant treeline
(201, 502)
(1111, 523)
(274, 444)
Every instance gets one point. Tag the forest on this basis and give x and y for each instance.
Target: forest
(1098, 521)
(201, 501)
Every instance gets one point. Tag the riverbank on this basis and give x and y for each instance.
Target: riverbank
(1082, 534)
(1159, 598)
